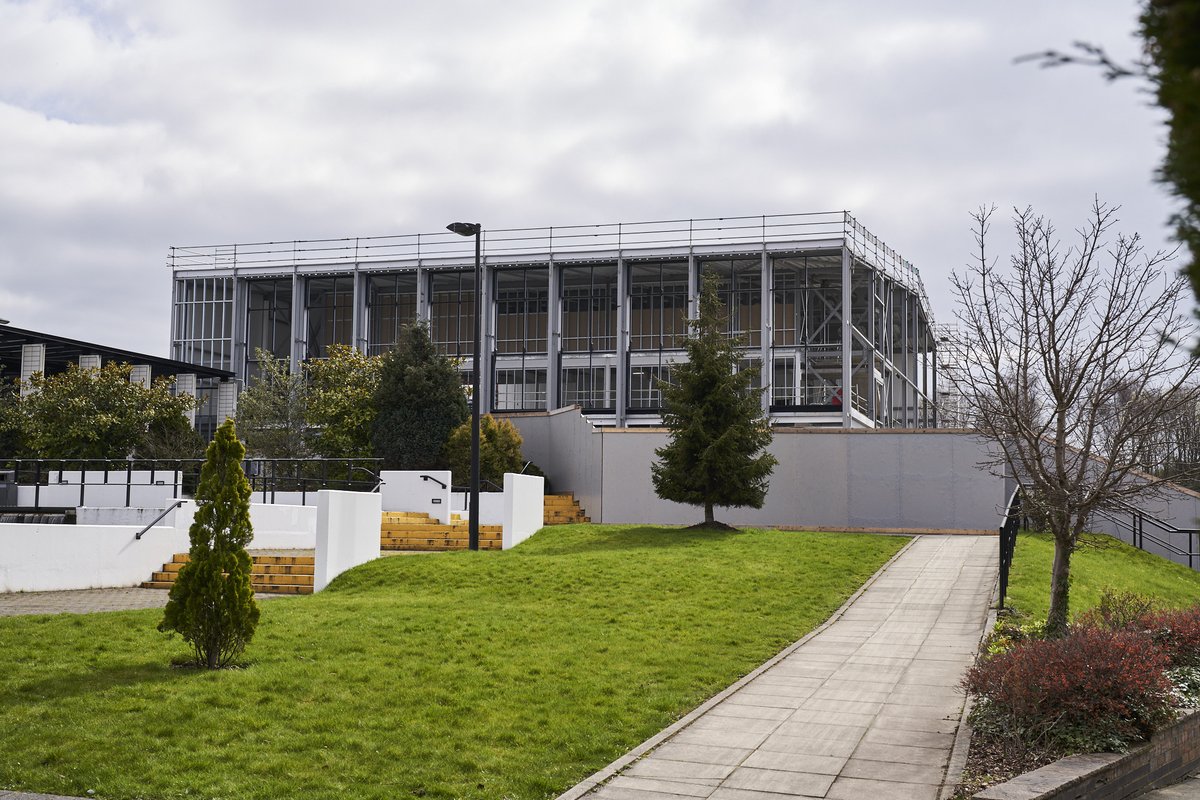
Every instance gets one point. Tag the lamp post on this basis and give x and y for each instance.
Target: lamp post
(474, 229)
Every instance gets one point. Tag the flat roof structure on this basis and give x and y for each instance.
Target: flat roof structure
(588, 315)
(61, 351)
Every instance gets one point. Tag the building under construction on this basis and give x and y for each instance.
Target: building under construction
(591, 315)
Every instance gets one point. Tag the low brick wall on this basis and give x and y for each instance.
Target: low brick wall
(1172, 753)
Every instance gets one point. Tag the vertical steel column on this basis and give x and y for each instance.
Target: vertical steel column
(553, 334)
(767, 331)
(622, 342)
(847, 340)
(358, 337)
(299, 322)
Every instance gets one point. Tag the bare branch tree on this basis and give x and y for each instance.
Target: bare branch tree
(1073, 367)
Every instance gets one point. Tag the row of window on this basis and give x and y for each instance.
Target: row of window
(804, 308)
(595, 387)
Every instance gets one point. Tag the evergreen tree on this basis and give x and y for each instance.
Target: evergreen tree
(418, 403)
(212, 602)
(718, 432)
(499, 450)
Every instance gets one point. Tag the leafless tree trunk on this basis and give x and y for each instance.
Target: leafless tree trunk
(1073, 366)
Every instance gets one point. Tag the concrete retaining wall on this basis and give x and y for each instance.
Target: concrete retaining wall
(893, 479)
(407, 490)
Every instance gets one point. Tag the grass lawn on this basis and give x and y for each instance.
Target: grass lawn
(457, 675)
(1107, 564)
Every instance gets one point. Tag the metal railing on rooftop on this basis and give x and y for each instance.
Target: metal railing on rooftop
(514, 244)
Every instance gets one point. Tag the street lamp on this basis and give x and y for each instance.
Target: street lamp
(474, 229)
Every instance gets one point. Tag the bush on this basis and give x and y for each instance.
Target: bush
(1177, 633)
(499, 451)
(1093, 690)
(1118, 611)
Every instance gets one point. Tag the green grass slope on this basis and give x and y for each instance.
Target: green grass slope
(457, 675)
(1102, 563)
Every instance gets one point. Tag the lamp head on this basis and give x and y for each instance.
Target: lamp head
(464, 228)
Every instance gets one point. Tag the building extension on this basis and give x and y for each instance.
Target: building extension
(591, 315)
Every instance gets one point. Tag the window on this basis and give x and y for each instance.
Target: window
(645, 389)
(330, 314)
(269, 321)
(522, 301)
(589, 308)
(519, 390)
(391, 304)
(658, 302)
(593, 388)
(452, 312)
(204, 322)
(739, 284)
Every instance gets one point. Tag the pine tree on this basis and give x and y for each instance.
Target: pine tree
(212, 602)
(718, 432)
(418, 403)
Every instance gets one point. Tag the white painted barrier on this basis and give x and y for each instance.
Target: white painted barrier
(417, 490)
(275, 526)
(524, 507)
(347, 533)
(42, 558)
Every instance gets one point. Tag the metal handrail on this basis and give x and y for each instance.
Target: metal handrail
(1008, 541)
(435, 480)
(1137, 528)
(156, 520)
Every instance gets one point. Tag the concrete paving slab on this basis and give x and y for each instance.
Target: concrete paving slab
(868, 706)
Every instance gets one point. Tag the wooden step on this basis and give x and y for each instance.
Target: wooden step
(274, 574)
(562, 509)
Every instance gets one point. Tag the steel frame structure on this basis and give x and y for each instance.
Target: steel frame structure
(593, 314)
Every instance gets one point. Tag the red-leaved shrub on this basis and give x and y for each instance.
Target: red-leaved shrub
(1177, 632)
(1093, 690)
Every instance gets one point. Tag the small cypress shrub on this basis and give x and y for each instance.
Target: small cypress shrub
(499, 451)
(212, 602)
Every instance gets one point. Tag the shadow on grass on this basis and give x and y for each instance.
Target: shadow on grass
(94, 681)
(644, 537)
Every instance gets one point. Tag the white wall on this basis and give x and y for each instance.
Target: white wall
(347, 533)
(407, 491)
(41, 558)
(275, 526)
(524, 508)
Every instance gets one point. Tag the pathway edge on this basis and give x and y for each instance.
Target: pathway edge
(606, 773)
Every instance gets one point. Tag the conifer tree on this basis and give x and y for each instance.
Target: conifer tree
(212, 602)
(418, 403)
(714, 456)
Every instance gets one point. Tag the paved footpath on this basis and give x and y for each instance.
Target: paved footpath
(868, 707)
(88, 601)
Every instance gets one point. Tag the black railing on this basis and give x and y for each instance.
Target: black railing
(158, 519)
(1008, 540)
(1139, 520)
(177, 477)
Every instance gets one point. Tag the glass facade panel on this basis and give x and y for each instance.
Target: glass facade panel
(658, 305)
(269, 321)
(783, 382)
(391, 304)
(593, 388)
(452, 312)
(204, 322)
(589, 308)
(522, 310)
(645, 390)
(739, 283)
(519, 390)
(330, 313)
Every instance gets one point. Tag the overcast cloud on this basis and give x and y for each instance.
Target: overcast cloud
(128, 126)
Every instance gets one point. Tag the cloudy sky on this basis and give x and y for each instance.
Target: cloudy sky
(128, 126)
